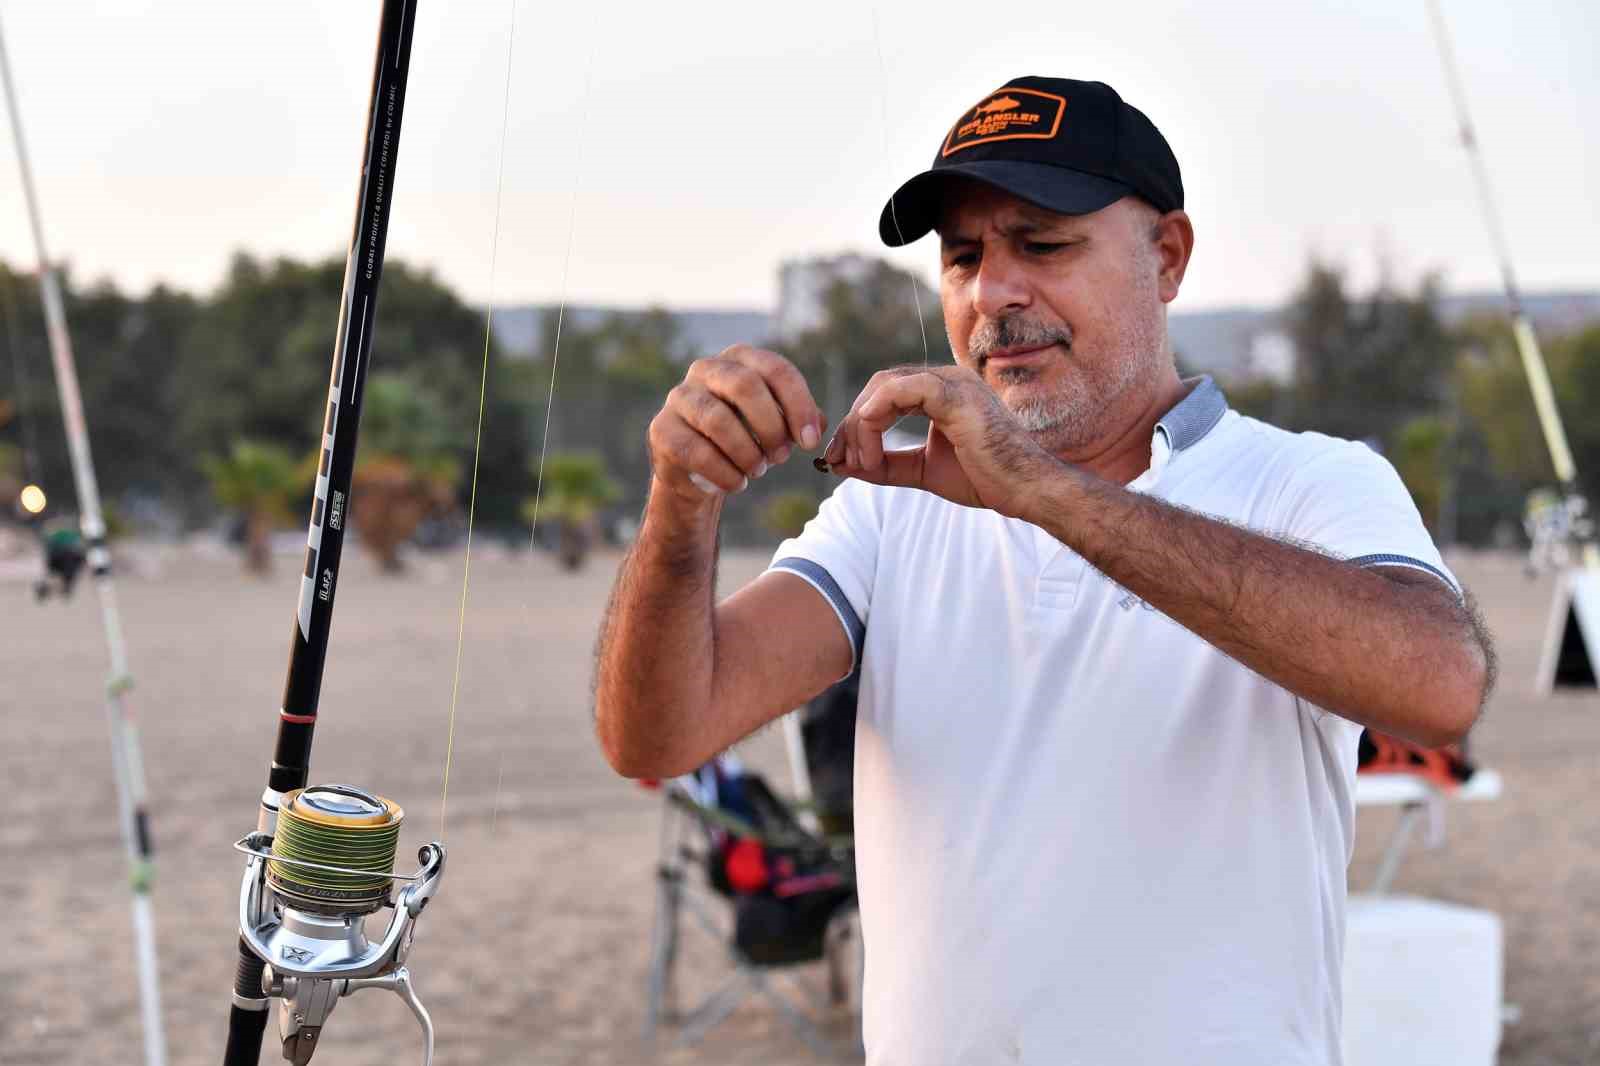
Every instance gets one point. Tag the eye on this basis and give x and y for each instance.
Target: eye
(1043, 247)
(961, 260)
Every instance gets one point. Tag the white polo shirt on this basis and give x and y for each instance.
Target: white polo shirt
(1084, 835)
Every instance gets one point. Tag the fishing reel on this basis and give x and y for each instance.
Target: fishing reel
(307, 892)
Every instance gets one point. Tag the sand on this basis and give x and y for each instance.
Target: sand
(535, 950)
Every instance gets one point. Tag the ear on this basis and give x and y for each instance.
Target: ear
(1174, 242)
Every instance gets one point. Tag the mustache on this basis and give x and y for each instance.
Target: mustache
(1014, 331)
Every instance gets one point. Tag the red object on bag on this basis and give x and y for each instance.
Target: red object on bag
(746, 864)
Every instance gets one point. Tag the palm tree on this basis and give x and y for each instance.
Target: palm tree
(391, 495)
(576, 487)
(406, 472)
(258, 481)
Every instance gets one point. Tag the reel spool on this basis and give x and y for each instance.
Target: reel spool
(350, 834)
(303, 904)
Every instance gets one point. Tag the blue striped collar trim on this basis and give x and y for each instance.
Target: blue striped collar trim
(1195, 415)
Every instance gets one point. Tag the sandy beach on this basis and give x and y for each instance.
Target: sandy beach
(535, 950)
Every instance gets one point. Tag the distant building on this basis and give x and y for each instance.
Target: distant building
(803, 288)
(521, 331)
(1271, 357)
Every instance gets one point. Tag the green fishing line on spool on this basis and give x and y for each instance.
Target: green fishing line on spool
(335, 825)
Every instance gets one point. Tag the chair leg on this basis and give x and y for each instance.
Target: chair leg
(841, 951)
(715, 1009)
(662, 992)
(802, 1026)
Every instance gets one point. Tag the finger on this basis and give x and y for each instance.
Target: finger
(803, 419)
(687, 455)
(897, 398)
(900, 396)
(906, 469)
(746, 391)
(848, 450)
(710, 416)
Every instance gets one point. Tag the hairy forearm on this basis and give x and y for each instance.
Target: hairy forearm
(1401, 658)
(655, 657)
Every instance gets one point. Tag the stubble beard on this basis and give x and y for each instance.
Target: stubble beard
(1073, 413)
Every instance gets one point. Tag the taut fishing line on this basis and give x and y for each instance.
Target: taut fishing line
(820, 462)
(550, 395)
(477, 444)
(888, 177)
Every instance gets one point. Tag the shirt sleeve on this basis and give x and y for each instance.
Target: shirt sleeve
(837, 554)
(1347, 499)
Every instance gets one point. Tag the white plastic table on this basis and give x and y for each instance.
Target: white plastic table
(1418, 798)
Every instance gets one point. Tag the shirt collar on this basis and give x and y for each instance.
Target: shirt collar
(1190, 419)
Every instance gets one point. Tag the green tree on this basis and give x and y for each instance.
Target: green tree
(1496, 400)
(1365, 365)
(576, 488)
(259, 482)
(10, 479)
(1505, 454)
(1420, 454)
(125, 351)
(405, 471)
(1575, 359)
(610, 380)
(257, 363)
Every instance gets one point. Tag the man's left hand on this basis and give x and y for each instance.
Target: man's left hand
(977, 454)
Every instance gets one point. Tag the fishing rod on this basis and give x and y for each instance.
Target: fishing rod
(126, 761)
(1533, 363)
(321, 859)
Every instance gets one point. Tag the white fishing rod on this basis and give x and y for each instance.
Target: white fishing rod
(1533, 363)
(127, 763)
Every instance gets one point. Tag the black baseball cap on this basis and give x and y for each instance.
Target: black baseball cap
(1067, 146)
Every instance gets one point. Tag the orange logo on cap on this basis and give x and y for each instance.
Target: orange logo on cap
(1000, 116)
(1005, 103)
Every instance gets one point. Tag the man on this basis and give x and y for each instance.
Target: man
(1116, 642)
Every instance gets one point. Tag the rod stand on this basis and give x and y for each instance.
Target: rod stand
(315, 957)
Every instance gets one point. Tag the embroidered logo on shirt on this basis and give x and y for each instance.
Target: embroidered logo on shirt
(1128, 601)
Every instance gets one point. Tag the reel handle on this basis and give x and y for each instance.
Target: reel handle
(399, 982)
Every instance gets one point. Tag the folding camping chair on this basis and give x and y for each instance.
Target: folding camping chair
(743, 866)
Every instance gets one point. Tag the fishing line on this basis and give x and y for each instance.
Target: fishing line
(477, 445)
(334, 849)
(820, 462)
(555, 360)
(888, 174)
(561, 307)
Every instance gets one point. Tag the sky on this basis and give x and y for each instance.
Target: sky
(676, 153)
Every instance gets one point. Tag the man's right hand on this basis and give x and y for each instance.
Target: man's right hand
(732, 417)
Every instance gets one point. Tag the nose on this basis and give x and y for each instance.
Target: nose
(1000, 286)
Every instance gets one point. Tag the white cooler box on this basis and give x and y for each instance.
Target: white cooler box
(1422, 983)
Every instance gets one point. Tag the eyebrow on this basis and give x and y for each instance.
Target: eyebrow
(1025, 228)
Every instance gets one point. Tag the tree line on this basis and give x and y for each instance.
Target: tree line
(201, 406)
